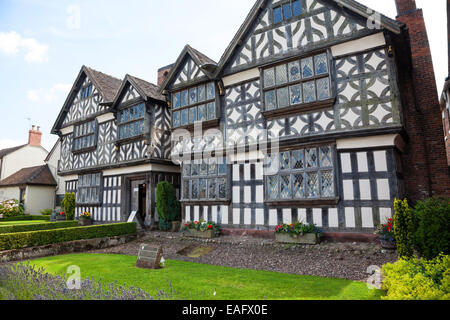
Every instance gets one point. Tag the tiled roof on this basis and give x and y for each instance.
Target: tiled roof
(39, 175)
(203, 59)
(5, 152)
(148, 88)
(109, 85)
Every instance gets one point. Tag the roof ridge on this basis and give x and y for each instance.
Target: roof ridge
(37, 172)
(97, 71)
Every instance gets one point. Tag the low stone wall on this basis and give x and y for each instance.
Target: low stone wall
(65, 248)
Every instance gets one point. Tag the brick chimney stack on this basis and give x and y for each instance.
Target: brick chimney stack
(35, 136)
(426, 170)
(163, 73)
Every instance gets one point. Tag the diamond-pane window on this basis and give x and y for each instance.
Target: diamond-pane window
(192, 115)
(296, 94)
(277, 15)
(202, 188)
(211, 110)
(212, 168)
(201, 112)
(323, 89)
(307, 68)
(283, 97)
(303, 174)
(321, 64)
(269, 77)
(193, 96)
(184, 98)
(312, 183)
(210, 91)
(212, 186)
(294, 71)
(194, 189)
(201, 93)
(186, 169)
(327, 181)
(285, 187)
(287, 11)
(309, 91)
(222, 188)
(281, 74)
(176, 100)
(270, 100)
(184, 117)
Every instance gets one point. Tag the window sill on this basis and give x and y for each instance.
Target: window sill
(131, 139)
(303, 202)
(313, 106)
(204, 125)
(205, 202)
(85, 150)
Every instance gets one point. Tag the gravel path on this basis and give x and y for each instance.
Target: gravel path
(337, 260)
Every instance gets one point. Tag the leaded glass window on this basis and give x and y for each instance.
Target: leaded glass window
(205, 179)
(88, 189)
(287, 11)
(132, 121)
(85, 136)
(196, 104)
(302, 174)
(298, 82)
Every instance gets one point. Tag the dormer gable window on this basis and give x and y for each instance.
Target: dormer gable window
(85, 136)
(196, 104)
(286, 11)
(132, 122)
(86, 92)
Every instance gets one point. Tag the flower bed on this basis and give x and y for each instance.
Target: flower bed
(298, 233)
(11, 208)
(201, 229)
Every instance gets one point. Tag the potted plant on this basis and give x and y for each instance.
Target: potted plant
(61, 216)
(201, 229)
(85, 219)
(298, 233)
(168, 207)
(386, 235)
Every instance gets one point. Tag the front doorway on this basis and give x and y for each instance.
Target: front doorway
(138, 199)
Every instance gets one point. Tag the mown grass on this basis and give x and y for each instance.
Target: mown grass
(198, 281)
(10, 223)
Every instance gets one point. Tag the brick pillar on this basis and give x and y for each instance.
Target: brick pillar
(425, 160)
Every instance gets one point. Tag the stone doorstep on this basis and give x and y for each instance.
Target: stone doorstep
(66, 247)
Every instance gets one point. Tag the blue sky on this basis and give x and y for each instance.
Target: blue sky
(43, 45)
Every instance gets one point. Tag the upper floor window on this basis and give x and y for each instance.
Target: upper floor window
(298, 82)
(85, 136)
(88, 189)
(86, 92)
(132, 122)
(194, 104)
(302, 175)
(286, 11)
(205, 179)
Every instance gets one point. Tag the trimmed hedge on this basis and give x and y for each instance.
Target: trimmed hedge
(37, 227)
(25, 218)
(20, 240)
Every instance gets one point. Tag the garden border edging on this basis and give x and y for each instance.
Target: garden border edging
(66, 247)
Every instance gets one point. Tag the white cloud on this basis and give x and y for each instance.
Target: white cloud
(50, 95)
(12, 42)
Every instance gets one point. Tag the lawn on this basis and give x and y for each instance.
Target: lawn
(198, 281)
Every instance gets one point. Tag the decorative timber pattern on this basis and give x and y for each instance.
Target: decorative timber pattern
(82, 108)
(244, 121)
(316, 24)
(130, 94)
(160, 140)
(366, 99)
(190, 72)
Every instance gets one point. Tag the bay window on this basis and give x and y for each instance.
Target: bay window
(85, 136)
(89, 189)
(132, 122)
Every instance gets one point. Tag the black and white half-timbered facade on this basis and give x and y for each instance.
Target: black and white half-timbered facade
(299, 121)
(115, 146)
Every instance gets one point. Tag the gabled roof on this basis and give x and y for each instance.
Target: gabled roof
(40, 176)
(146, 89)
(107, 86)
(51, 151)
(208, 65)
(5, 152)
(260, 5)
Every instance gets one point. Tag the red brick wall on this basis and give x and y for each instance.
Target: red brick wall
(34, 138)
(425, 158)
(162, 74)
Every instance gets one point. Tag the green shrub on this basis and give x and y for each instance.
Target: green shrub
(46, 212)
(167, 205)
(69, 205)
(20, 240)
(432, 235)
(11, 208)
(404, 229)
(417, 279)
(36, 227)
(164, 225)
(26, 217)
